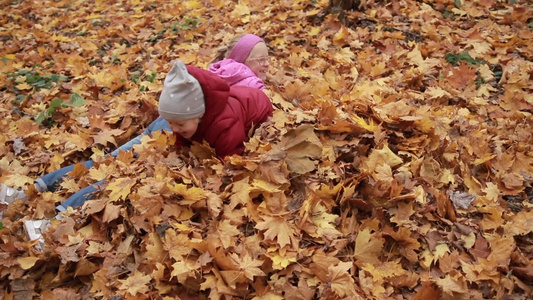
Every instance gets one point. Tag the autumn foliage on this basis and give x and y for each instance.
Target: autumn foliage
(398, 163)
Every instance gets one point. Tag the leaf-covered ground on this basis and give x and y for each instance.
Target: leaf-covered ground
(398, 164)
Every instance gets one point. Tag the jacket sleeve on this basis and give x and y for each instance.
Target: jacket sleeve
(229, 136)
(259, 108)
(253, 82)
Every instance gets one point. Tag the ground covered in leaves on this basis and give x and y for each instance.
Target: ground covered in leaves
(398, 163)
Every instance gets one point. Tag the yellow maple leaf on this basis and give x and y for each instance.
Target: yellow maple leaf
(325, 223)
(345, 55)
(501, 247)
(107, 136)
(241, 193)
(280, 262)
(367, 247)
(24, 86)
(176, 244)
(136, 283)
(370, 126)
(120, 188)
(315, 30)
(101, 172)
(186, 195)
(17, 180)
(240, 10)
(193, 4)
(226, 233)
(436, 92)
(492, 218)
(342, 283)
(440, 250)
(276, 228)
(183, 269)
(248, 265)
(382, 156)
(55, 162)
(415, 56)
(451, 285)
(339, 38)
(521, 224)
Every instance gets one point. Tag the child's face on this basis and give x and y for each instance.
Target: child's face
(258, 60)
(185, 128)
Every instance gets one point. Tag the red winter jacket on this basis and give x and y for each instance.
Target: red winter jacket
(230, 112)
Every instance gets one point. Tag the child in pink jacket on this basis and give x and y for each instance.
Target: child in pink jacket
(246, 64)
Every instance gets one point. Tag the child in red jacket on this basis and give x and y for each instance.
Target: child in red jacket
(199, 105)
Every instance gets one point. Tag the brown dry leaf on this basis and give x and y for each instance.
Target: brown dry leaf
(367, 247)
(428, 290)
(27, 262)
(462, 76)
(452, 283)
(301, 146)
(341, 281)
(407, 244)
(376, 117)
(108, 136)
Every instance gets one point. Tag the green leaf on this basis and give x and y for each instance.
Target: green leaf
(55, 78)
(454, 59)
(57, 102)
(20, 98)
(151, 77)
(42, 116)
(75, 100)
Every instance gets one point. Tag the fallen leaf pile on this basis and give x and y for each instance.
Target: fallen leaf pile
(398, 163)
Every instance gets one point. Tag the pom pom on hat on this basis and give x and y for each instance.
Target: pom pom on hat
(182, 97)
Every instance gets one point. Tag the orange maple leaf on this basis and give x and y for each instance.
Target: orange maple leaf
(462, 76)
(107, 136)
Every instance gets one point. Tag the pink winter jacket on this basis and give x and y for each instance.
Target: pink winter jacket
(236, 73)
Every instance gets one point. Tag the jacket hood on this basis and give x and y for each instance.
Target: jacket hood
(216, 93)
(236, 73)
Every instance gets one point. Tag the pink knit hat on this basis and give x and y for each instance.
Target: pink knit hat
(242, 49)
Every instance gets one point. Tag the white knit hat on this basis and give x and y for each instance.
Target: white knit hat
(182, 97)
